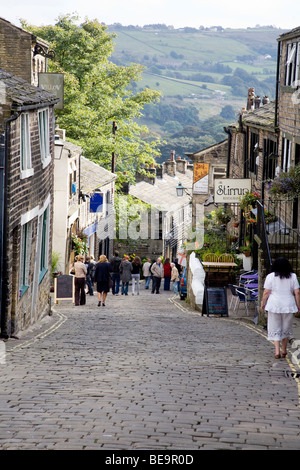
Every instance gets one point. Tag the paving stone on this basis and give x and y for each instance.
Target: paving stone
(148, 373)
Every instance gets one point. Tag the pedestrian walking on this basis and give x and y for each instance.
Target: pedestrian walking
(157, 270)
(91, 266)
(80, 279)
(147, 273)
(175, 278)
(115, 265)
(125, 274)
(167, 274)
(281, 299)
(136, 274)
(102, 278)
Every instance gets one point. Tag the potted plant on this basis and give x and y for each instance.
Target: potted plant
(246, 250)
(269, 216)
(222, 215)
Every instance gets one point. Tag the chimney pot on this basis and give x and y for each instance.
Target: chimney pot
(257, 102)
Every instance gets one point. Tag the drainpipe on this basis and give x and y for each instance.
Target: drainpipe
(229, 133)
(277, 83)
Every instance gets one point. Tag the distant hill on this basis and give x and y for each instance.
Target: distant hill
(203, 74)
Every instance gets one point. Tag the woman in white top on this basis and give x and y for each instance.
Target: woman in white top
(281, 299)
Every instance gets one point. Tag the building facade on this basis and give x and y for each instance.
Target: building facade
(27, 146)
(264, 146)
(166, 223)
(77, 183)
(30, 54)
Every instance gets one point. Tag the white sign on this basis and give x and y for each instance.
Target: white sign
(200, 180)
(230, 190)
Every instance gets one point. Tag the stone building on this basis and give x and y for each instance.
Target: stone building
(98, 225)
(212, 162)
(166, 222)
(264, 144)
(26, 184)
(22, 53)
(76, 181)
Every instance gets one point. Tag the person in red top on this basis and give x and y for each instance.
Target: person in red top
(167, 274)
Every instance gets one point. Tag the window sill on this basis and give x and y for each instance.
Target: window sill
(42, 274)
(46, 161)
(22, 291)
(26, 173)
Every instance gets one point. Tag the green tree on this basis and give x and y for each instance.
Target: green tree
(97, 93)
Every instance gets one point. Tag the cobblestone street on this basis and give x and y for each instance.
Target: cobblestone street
(145, 373)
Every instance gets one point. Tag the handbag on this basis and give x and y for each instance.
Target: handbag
(110, 282)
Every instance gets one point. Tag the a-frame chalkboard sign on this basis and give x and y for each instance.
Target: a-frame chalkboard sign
(215, 301)
(64, 288)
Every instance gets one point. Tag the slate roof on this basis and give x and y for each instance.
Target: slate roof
(22, 93)
(162, 194)
(261, 117)
(290, 34)
(93, 176)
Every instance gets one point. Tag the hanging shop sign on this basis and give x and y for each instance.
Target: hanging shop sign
(96, 202)
(54, 83)
(230, 190)
(200, 180)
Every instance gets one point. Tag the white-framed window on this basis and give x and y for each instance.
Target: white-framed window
(25, 147)
(286, 154)
(44, 133)
(292, 64)
(44, 246)
(25, 256)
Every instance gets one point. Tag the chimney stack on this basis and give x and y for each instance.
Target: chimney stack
(250, 100)
(170, 165)
(181, 165)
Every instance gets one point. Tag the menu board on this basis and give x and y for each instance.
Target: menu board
(64, 288)
(216, 301)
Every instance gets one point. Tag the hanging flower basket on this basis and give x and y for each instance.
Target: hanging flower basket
(286, 185)
(80, 244)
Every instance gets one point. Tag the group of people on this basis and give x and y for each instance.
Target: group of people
(281, 296)
(89, 272)
(110, 274)
(124, 270)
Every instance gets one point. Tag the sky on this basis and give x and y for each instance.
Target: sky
(283, 14)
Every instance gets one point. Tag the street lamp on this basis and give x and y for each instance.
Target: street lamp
(179, 190)
(58, 149)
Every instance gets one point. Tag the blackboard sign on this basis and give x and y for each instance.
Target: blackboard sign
(64, 288)
(216, 301)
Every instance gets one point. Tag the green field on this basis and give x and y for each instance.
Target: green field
(202, 69)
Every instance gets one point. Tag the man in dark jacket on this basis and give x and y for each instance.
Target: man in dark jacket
(115, 264)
